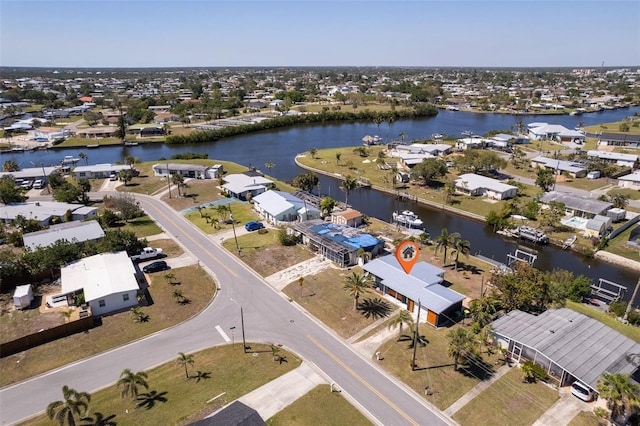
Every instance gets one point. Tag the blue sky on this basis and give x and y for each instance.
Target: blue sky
(162, 33)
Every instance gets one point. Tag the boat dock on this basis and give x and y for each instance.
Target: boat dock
(608, 291)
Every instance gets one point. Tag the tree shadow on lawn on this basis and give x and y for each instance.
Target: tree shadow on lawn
(478, 369)
(149, 400)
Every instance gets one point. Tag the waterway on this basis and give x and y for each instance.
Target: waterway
(281, 146)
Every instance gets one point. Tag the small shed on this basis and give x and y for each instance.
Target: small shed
(617, 214)
(23, 296)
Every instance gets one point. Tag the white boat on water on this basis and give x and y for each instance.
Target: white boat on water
(407, 218)
(532, 234)
(69, 159)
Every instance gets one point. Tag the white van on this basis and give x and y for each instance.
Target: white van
(582, 391)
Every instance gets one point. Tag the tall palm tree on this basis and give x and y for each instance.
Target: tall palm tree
(184, 360)
(356, 284)
(348, 184)
(269, 165)
(462, 247)
(462, 344)
(620, 393)
(73, 403)
(403, 317)
(178, 180)
(402, 136)
(445, 241)
(130, 382)
(84, 157)
(338, 156)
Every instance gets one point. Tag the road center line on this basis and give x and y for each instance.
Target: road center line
(223, 334)
(363, 381)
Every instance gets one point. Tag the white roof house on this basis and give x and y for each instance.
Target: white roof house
(71, 231)
(187, 170)
(576, 170)
(473, 184)
(108, 281)
(30, 172)
(423, 284)
(99, 171)
(632, 180)
(278, 206)
(620, 159)
(539, 131)
(44, 211)
(239, 185)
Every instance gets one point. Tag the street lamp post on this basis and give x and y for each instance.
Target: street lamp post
(233, 225)
(244, 342)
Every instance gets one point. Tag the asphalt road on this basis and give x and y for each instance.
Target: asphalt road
(268, 317)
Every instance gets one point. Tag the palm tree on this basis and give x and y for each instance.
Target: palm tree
(338, 155)
(462, 247)
(269, 165)
(402, 136)
(620, 393)
(184, 360)
(66, 315)
(462, 344)
(130, 382)
(84, 157)
(445, 241)
(348, 184)
(356, 284)
(178, 296)
(403, 317)
(74, 403)
(178, 180)
(313, 152)
(528, 372)
(169, 276)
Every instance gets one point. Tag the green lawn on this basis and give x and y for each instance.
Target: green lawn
(116, 329)
(242, 213)
(508, 401)
(319, 407)
(224, 371)
(633, 194)
(585, 418)
(614, 127)
(143, 226)
(619, 246)
(628, 330)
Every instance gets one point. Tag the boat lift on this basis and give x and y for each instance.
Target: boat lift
(607, 295)
(522, 256)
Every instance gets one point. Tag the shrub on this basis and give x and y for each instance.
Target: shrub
(286, 239)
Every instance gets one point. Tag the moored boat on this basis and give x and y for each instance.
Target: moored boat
(407, 218)
(532, 234)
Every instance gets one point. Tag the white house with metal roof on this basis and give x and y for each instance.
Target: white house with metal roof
(108, 281)
(277, 207)
(568, 345)
(45, 211)
(632, 180)
(99, 171)
(573, 168)
(239, 185)
(576, 206)
(423, 284)
(196, 171)
(619, 158)
(75, 231)
(30, 173)
(473, 184)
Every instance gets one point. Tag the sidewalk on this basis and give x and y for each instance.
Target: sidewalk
(477, 389)
(271, 398)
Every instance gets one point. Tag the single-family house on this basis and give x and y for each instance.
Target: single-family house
(632, 180)
(471, 143)
(75, 231)
(49, 134)
(423, 285)
(505, 140)
(108, 280)
(568, 345)
(620, 159)
(99, 171)
(96, 132)
(30, 173)
(473, 184)
(196, 171)
(277, 207)
(165, 117)
(597, 226)
(348, 217)
(160, 109)
(338, 243)
(44, 212)
(619, 139)
(239, 185)
(574, 169)
(576, 206)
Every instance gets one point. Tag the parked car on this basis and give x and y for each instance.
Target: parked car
(27, 184)
(582, 391)
(113, 176)
(253, 226)
(158, 266)
(39, 183)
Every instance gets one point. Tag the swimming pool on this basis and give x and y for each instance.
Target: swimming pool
(575, 222)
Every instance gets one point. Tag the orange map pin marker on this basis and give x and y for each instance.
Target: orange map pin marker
(407, 255)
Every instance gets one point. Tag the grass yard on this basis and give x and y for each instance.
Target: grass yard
(242, 213)
(324, 296)
(168, 246)
(630, 331)
(620, 247)
(435, 369)
(319, 407)
(264, 254)
(508, 401)
(182, 401)
(165, 312)
(634, 128)
(143, 226)
(633, 194)
(586, 418)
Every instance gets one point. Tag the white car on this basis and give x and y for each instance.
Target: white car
(582, 391)
(113, 176)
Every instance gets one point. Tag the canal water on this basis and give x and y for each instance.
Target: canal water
(281, 146)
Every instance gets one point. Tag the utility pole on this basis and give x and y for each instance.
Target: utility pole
(630, 305)
(244, 342)
(233, 225)
(415, 340)
(168, 180)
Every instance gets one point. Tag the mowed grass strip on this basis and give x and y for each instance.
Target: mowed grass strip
(607, 319)
(242, 213)
(586, 418)
(324, 296)
(435, 370)
(319, 407)
(225, 370)
(508, 401)
(263, 252)
(116, 329)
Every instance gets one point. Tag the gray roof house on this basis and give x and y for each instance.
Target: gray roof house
(620, 159)
(574, 169)
(196, 171)
(45, 211)
(423, 284)
(30, 172)
(632, 180)
(240, 184)
(99, 171)
(473, 184)
(619, 139)
(277, 207)
(577, 206)
(570, 346)
(71, 231)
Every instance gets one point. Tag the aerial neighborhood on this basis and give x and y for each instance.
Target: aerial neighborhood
(178, 230)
